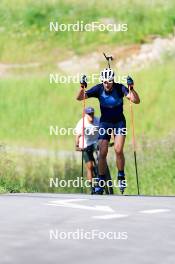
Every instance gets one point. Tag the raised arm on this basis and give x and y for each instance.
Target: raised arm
(81, 94)
(132, 95)
(83, 85)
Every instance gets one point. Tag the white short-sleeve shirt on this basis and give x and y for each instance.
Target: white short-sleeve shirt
(90, 131)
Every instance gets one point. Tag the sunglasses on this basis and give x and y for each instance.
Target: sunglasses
(106, 82)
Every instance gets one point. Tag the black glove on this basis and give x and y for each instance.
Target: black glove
(130, 82)
(83, 81)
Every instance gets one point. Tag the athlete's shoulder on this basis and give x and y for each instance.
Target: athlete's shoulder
(94, 91)
(121, 88)
(98, 86)
(79, 123)
(118, 85)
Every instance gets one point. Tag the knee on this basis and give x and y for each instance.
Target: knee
(89, 166)
(103, 149)
(118, 151)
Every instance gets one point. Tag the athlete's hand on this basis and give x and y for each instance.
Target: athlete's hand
(77, 148)
(83, 81)
(130, 82)
(84, 86)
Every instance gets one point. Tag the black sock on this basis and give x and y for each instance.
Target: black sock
(101, 177)
(121, 173)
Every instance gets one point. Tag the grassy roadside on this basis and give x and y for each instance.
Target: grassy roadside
(25, 24)
(33, 106)
(156, 167)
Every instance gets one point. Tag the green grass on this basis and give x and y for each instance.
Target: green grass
(24, 34)
(29, 174)
(29, 106)
(156, 168)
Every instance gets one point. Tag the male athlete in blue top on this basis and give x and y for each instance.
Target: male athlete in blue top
(112, 121)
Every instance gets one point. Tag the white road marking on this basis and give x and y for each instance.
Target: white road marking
(70, 204)
(154, 211)
(106, 217)
(69, 200)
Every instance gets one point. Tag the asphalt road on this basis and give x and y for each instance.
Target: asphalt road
(62, 228)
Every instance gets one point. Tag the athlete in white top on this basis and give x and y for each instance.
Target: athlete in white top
(91, 125)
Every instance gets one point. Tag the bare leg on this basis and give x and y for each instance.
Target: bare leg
(103, 151)
(118, 146)
(89, 169)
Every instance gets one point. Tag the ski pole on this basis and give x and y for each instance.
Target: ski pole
(83, 116)
(108, 58)
(133, 140)
(83, 83)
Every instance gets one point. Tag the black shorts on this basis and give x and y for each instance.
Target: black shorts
(88, 153)
(107, 129)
